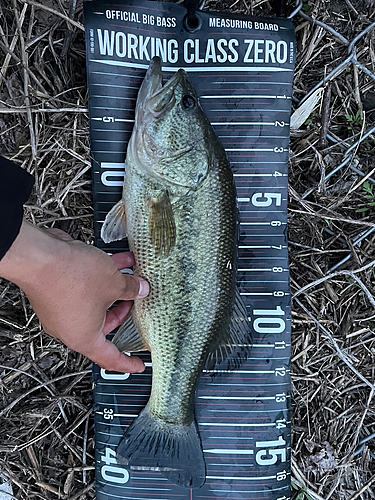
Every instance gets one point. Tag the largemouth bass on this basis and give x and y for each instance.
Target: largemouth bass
(179, 212)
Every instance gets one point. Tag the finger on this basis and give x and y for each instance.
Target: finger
(134, 288)
(124, 259)
(117, 316)
(110, 358)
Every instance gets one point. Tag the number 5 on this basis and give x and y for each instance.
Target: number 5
(269, 198)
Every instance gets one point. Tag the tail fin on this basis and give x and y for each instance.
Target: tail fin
(175, 451)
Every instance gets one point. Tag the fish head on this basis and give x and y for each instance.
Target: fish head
(172, 140)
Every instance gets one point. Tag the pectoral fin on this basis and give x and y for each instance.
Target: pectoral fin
(162, 225)
(114, 227)
(127, 338)
(235, 343)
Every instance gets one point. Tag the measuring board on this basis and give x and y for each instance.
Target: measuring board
(242, 69)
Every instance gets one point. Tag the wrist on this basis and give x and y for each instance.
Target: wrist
(30, 254)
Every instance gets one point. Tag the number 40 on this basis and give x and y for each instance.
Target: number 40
(113, 473)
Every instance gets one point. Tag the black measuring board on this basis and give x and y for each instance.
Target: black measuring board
(242, 69)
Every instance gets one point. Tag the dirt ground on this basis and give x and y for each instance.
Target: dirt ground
(46, 422)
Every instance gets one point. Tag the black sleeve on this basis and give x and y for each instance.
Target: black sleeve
(15, 188)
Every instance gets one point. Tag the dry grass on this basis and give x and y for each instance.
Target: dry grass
(46, 444)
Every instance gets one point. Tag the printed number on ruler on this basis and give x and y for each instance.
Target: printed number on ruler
(281, 476)
(275, 450)
(257, 201)
(262, 324)
(113, 177)
(111, 472)
(281, 423)
(269, 323)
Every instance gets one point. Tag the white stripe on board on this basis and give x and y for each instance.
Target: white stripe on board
(117, 108)
(113, 97)
(244, 123)
(246, 83)
(223, 451)
(238, 398)
(264, 478)
(243, 411)
(263, 246)
(230, 465)
(217, 424)
(258, 162)
(119, 414)
(270, 150)
(141, 488)
(255, 175)
(115, 86)
(258, 223)
(230, 437)
(235, 96)
(237, 136)
(199, 69)
(257, 269)
(252, 491)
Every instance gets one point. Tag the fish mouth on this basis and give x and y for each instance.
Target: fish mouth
(153, 97)
(152, 81)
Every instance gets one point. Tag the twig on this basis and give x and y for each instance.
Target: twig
(42, 384)
(363, 489)
(330, 217)
(336, 347)
(11, 405)
(84, 453)
(12, 45)
(326, 107)
(25, 80)
(341, 273)
(55, 12)
(83, 492)
(14, 110)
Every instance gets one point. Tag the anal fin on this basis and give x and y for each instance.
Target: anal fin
(127, 338)
(235, 345)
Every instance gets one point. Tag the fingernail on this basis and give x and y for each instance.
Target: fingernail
(144, 288)
(139, 365)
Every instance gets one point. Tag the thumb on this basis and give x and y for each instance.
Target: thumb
(58, 234)
(134, 288)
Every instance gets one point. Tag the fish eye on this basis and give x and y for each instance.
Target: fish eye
(188, 101)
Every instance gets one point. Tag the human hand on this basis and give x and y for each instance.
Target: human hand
(70, 286)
